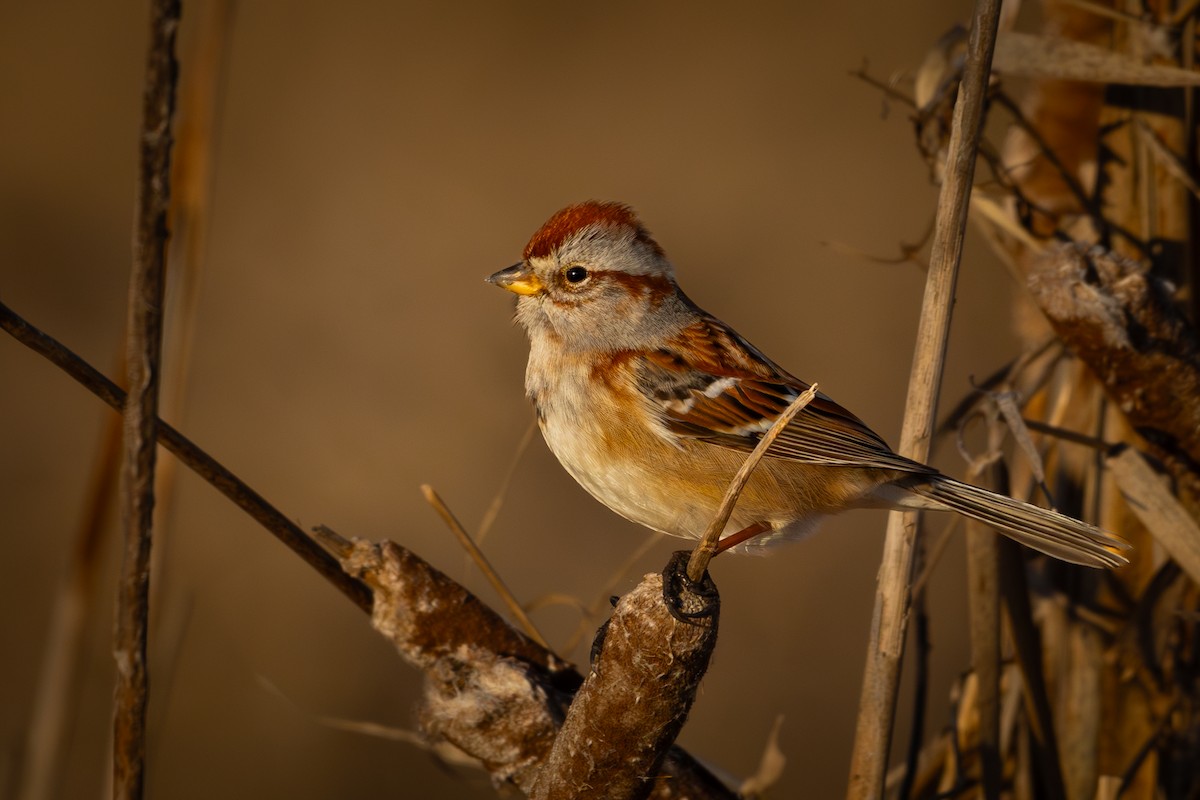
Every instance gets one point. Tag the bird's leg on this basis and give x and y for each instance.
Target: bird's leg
(734, 539)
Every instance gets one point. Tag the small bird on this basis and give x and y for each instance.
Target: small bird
(652, 404)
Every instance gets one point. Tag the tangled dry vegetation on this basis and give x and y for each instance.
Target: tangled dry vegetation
(1089, 687)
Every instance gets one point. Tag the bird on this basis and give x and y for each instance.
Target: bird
(652, 404)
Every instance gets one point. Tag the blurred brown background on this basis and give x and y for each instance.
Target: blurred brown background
(374, 161)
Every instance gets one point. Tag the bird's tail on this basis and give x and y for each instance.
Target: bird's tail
(1050, 532)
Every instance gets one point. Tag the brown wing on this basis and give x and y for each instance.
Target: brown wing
(711, 384)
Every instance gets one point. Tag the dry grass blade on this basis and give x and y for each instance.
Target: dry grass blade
(707, 548)
(493, 510)
(1006, 402)
(1158, 509)
(989, 210)
(442, 751)
(1027, 55)
(593, 612)
(770, 767)
(484, 565)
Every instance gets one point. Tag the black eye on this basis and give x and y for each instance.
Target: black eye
(575, 274)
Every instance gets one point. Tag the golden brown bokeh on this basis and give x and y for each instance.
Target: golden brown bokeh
(374, 161)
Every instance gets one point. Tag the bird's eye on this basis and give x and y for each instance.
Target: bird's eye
(575, 274)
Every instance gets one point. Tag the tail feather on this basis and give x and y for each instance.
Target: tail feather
(1050, 532)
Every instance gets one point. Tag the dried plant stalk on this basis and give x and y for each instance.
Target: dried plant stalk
(58, 690)
(496, 694)
(638, 693)
(143, 353)
(877, 706)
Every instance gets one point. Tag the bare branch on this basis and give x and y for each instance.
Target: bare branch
(200, 462)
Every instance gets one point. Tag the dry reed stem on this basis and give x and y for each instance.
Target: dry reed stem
(877, 706)
(143, 356)
(200, 462)
(75, 607)
(58, 688)
(704, 552)
(481, 561)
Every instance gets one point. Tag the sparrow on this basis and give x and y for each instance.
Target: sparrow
(652, 404)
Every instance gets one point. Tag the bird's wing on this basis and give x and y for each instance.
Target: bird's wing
(709, 383)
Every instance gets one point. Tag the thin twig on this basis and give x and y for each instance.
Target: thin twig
(143, 357)
(196, 459)
(889, 620)
(493, 510)
(592, 612)
(883, 86)
(707, 548)
(1067, 435)
(485, 566)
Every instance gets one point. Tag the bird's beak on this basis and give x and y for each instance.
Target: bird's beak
(518, 279)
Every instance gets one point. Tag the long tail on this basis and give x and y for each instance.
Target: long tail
(1050, 532)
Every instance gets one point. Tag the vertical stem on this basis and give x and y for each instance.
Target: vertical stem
(983, 595)
(877, 706)
(143, 354)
